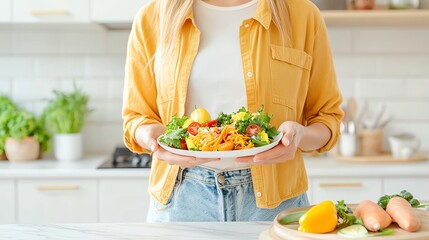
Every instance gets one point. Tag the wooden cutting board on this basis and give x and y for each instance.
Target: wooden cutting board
(290, 232)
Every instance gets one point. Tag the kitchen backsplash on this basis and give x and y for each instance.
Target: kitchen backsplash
(379, 64)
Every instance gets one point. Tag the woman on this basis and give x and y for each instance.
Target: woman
(221, 55)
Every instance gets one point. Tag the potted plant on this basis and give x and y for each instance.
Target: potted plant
(25, 137)
(65, 115)
(6, 106)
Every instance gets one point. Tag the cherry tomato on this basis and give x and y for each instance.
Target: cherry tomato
(212, 123)
(193, 128)
(227, 146)
(183, 144)
(253, 129)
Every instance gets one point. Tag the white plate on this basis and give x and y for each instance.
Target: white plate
(223, 154)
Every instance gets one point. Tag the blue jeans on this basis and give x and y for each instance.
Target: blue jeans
(203, 195)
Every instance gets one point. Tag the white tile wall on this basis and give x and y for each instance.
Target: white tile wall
(387, 65)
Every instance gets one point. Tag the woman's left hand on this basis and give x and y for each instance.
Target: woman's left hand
(293, 132)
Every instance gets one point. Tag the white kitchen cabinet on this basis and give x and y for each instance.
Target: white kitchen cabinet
(57, 11)
(48, 201)
(418, 186)
(123, 200)
(115, 11)
(5, 11)
(7, 201)
(352, 190)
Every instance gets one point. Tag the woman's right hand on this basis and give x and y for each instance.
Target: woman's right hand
(146, 137)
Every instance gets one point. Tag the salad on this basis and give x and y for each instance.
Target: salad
(235, 131)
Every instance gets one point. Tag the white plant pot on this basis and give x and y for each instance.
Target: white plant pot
(68, 147)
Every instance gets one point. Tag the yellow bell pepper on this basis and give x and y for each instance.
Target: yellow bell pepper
(321, 218)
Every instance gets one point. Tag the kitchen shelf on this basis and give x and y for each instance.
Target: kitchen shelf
(376, 17)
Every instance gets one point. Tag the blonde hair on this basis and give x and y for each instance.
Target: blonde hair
(172, 14)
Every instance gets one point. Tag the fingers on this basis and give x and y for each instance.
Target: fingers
(279, 153)
(183, 161)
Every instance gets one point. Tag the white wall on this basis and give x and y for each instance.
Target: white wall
(34, 60)
(387, 65)
(380, 64)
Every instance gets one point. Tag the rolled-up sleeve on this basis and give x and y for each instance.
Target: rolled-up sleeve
(139, 96)
(324, 97)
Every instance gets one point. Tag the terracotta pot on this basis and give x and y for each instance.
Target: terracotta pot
(3, 157)
(25, 149)
(364, 4)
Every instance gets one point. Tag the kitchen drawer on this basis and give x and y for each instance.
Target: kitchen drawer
(7, 201)
(57, 201)
(123, 200)
(5, 11)
(57, 11)
(115, 11)
(352, 190)
(418, 186)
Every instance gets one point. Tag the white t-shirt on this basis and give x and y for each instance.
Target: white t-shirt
(217, 82)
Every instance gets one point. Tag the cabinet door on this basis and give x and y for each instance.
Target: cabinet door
(115, 11)
(57, 201)
(7, 201)
(123, 200)
(5, 10)
(352, 190)
(58, 11)
(418, 186)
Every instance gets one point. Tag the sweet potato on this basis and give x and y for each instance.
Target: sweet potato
(373, 216)
(403, 214)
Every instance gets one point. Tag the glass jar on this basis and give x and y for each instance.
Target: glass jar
(404, 4)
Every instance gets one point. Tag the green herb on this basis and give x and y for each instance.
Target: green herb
(384, 200)
(224, 119)
(173, 137)
(67, 112)
(176, 123)
(345, 215)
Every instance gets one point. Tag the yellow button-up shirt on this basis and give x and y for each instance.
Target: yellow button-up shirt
(294, 84)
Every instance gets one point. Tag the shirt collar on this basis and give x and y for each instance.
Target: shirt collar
(262, 14)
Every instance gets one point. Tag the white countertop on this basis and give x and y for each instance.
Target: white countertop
(331, 167)
(316, 167)
(84, 168)
(138, 231)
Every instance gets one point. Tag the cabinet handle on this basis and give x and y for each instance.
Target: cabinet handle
(49, 12)
(57, 188)
(351, 184)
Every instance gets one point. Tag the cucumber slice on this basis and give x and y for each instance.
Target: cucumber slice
(359, 231)
(353, 231)
(291, 218)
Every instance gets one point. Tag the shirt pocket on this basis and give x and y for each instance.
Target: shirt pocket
(289, 74)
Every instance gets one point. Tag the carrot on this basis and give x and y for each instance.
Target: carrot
(373, 216)
(403, 214)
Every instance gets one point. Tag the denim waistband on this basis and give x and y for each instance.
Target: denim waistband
(211, 177)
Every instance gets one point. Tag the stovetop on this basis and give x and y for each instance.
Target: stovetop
(124, 158)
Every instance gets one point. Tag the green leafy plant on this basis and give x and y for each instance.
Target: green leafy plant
(6, 109)
(66, 112)
(21, 124)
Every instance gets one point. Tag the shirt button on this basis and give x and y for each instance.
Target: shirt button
(249, 74)
(258, 194)
(221, 179)
(246, 25)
